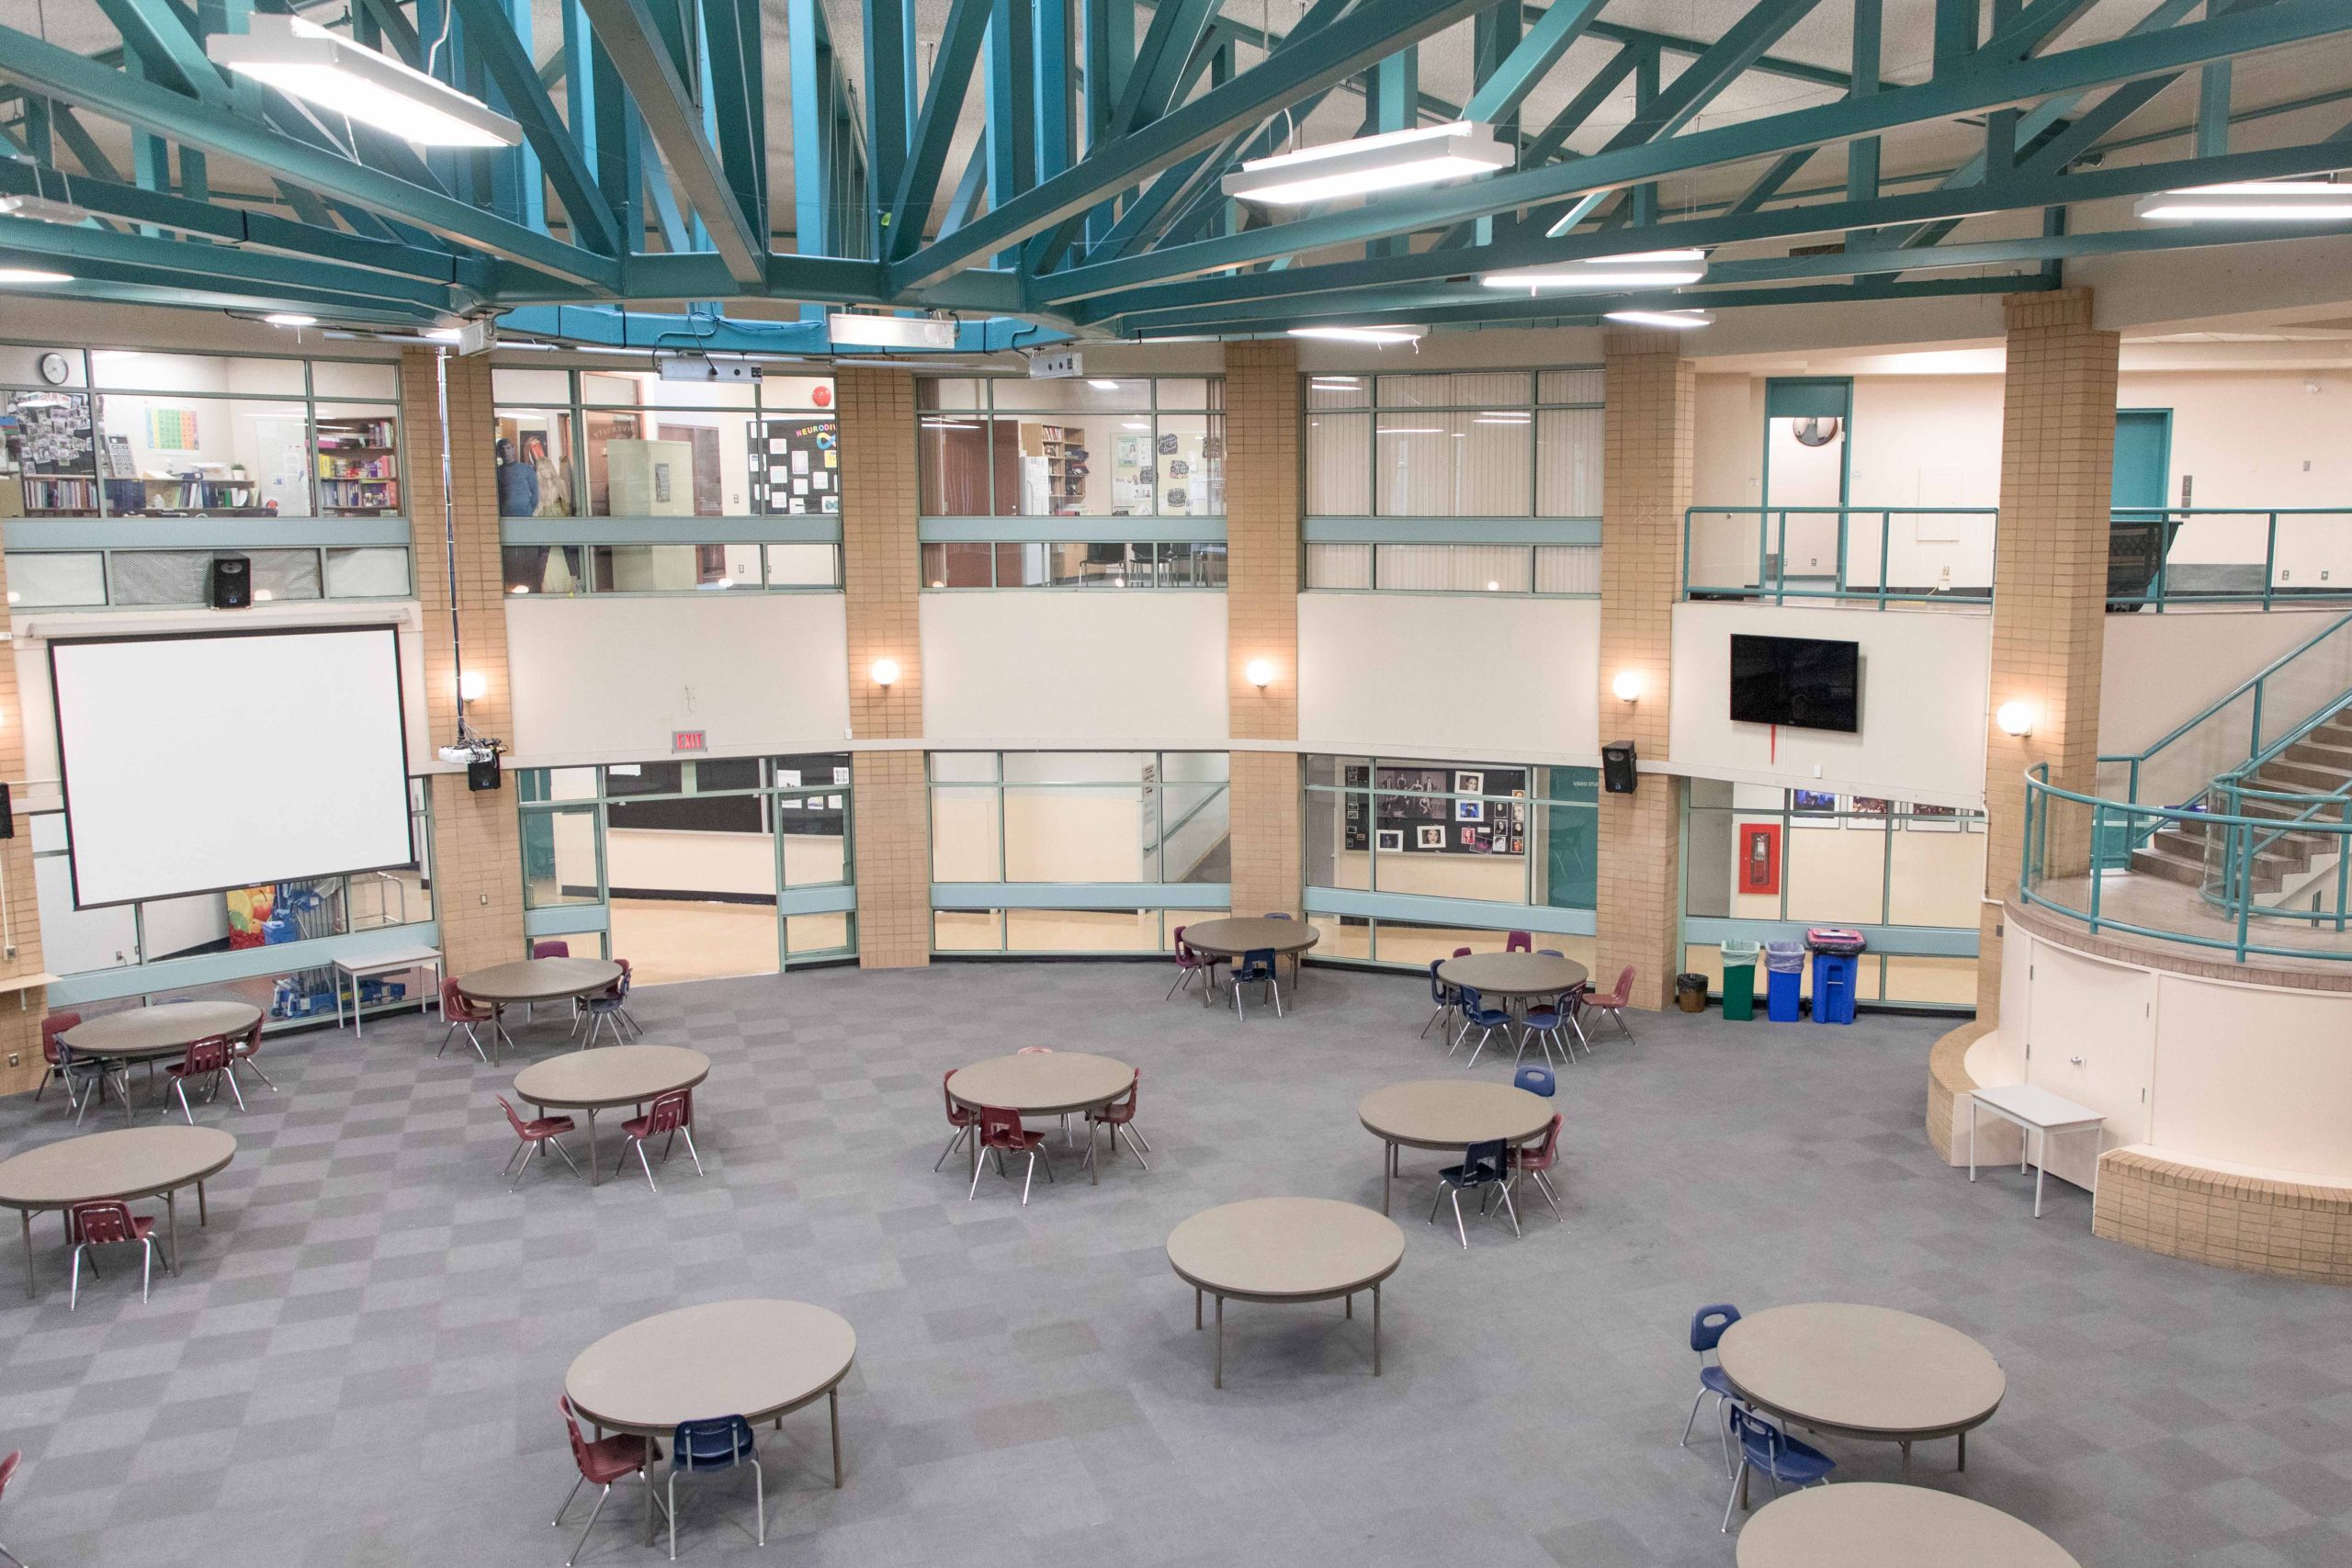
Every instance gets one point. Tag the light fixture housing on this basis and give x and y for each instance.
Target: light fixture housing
(32, 275)
(1101, 386)
(1627, 687)
(305, 61)
(1673, 321)
(859, 330)
(1259, 672)
(1640, 269)
(1388, 333)
(290, 319)
(1395, 160)
(884, 673)
(2287, 201)
(43, 210)
(2015, 718)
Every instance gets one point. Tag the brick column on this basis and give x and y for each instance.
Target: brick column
(882, 568)
(2048, 588)
(1261, 489)
(477, 853)
(20, 1014)
(1651, 395)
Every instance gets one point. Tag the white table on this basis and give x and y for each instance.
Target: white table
(2036, 1111)
(390, 963)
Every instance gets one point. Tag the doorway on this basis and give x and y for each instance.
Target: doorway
(1807, 466)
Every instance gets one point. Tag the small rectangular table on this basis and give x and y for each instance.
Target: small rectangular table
(390, 963)
(2035, 1111)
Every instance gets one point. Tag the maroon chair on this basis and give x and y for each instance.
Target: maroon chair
(1119, 1116)
(538, 1135)
(243, 1049)
(7, 1469)
(52, 1026)
(671, 1113)
(1000, 1130)
(1461, 952)
(1189, 966)
(1538, 1162)
(108, 1224)
(963, 1121)
(551, 948)
(1518, 942)
(207, 1058)
(1615, 1003)
(601, 1463)
(461, 1011)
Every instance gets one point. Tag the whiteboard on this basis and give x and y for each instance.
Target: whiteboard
(203, 761)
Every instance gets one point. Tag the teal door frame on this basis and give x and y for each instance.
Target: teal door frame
(1808, 397)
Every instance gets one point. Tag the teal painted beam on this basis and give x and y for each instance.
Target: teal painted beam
(1768, 184)
(1523, 69)
(1955, 35)
(1862, 153)
(810, 65)
(1175, 32)
(1011, 106)
(1110, 45)
(2024, 34)
(889, 97)
(1554, 139)
(735, 64)
(80, 244)
(943, 106)
(508, 62)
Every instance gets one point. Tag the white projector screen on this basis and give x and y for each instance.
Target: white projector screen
(198, 762)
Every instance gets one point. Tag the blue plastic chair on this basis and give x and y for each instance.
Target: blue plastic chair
(1707, 1326)
(1295, 958)
(1482, 1165)
(1257, 968)
(1442, 995)
(1764, 1447)
(1535, 1081)
(1477, 1014)
(1542, 1026)
(700, 1447)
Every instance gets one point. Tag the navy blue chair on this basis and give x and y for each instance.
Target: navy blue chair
(1484, 1168)
(1296, 958)
(1442, 995)
(1542, 1026)
(1257, 968)
(1477, 1015)
(1764, 1447)
(701, 1448)
(1707, 1326)
(1535, 1081)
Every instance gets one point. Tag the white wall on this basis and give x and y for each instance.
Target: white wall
(1923, 676)
(1096, 670)
(1460, 677)
(2161, 670)
(597, 680)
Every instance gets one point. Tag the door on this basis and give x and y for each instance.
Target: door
(2091, 1036)
(2139, 537)
(1806, 462)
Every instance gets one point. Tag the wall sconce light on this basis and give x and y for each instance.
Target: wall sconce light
(471, 685)
(884, 673)
(1627, 685)
(2015, 719)
(1260, 673)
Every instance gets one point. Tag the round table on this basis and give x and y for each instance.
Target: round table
(1232, 937)
(599, 1080)
(1513, 974)
(1868, 1372)
(537, 980)
(1286, 1250)
(136, 1162)
(147, 1034)
(1041, 1083)
(1449, 1115)
(1867, 1524)
(759, 1360)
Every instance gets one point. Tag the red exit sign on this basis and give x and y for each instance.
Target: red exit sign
(688, 741)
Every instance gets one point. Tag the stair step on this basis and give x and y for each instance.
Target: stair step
(2290, 774)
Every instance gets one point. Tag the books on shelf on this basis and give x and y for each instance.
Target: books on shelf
(44, 493)
(358, 467)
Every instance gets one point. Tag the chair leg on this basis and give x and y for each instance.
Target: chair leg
(1436, 1200)
(1482, 1043)
(599, 1509)
(1733, 1500)
(73, 1297)
(760, 1497)
(146, 1269)
(979, 1164)
(952, 1144)
(556, 1145)
(1028, 1178)
(1460, 1229)
(1049, 1162)
(230, 1075)
(179, 1087)
(577, 1483)
(1509, 1207)
(1684, 1441)
(1120, 1130)
(673, 1508)
(691, 1153)
(250, 1065)
(14, 1561)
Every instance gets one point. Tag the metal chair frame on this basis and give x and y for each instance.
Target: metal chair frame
(79, 1219)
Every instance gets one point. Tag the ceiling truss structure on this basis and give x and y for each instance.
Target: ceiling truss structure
(1089, 204)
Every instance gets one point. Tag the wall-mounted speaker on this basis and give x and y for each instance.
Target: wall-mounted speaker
(1617, 767)
(233, 582)
(7, 813)
(483, 774)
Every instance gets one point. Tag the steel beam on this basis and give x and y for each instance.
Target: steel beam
(158, 260)
(1547, 39)
(494, 43)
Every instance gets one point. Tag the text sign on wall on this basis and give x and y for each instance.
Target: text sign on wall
(688, 740)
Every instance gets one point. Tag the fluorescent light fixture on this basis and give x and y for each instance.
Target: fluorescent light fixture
(859, 331)
(1413, 430)
(1363, 335)
(307, 61)
(32, 275)
(1648, 269)
(290, 319)
(43, 210)
(444, 335)
(1676, 321)
(1103, 386)
(1135, 425)
(1426, 155)
(1338, 380)
(2320, 201)
(1648, 258)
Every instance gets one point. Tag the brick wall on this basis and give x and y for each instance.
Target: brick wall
(1261, 489)
(1647, 429)
(20, 1013)
(882, 567)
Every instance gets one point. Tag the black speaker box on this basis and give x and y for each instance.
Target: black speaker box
(233, 582)
(483, 775)
(1617, 770)
(7, 813)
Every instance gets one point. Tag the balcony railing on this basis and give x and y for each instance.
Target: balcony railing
(1878, 555)
(2218, 555)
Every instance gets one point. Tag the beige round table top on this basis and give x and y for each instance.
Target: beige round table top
(1514, 974)
(1862, 1371)
(1043, 1083)
(540, 979)
(130, 1162)
(752, 1359)
(1453, 1113)
(1869, 1524)
(136, 1033)
(1291, 1249)
(616, 1075)
(1252, 934)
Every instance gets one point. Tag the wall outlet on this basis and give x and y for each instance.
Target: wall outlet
(2285, 575)
(13, 1058)
(485, 900)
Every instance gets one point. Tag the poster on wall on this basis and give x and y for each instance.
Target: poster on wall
(792, 464)
(1926, 819)
(1813, 809)
(1868, 812)
(1418, 805)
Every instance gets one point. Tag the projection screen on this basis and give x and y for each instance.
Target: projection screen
(202, 762)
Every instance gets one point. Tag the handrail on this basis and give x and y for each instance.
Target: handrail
(1774, 585)
(2159, 590)
(2243, 687)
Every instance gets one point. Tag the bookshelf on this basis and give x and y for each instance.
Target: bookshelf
(48, 456)
(358, 468)
(1063, 448)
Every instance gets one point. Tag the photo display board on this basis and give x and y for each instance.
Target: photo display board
(1437, 810)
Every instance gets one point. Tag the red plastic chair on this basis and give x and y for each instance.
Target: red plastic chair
(205, 1058)
(538, 1135)
(601, 1463)
(1189, 965)
(671, 1113)
(551, 948)
(1538, 1162)
(1615, 1003)
(963, 1121)
(1518, 942)
(52, 1026)
(243, 1049)
(1119, 1117)
(1001, 1129)
(108, 1224)
(7, 1469)
(461, 1011)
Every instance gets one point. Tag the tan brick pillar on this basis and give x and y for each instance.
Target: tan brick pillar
(2048, 588)
(882, 568)
(477, 853)
(21, 1011)
(1263, 504)
(1651, 395)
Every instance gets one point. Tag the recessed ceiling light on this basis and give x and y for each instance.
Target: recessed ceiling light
(2320, 201)
(1103, 386)
(1426, 155)
(1363, 335)
(306, 60)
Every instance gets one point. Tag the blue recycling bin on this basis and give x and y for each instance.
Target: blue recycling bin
(1783, 981)
(1834, 974)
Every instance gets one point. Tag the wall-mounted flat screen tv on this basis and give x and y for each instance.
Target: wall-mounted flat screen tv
(1805, 683)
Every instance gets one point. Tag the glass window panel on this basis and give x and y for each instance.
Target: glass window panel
(280, 575)
(952, 452)
(681, 936)
(714, 774)
(1568, 463)
(1344, 936)
(21, 363)
(75, 942)
(968, 930)
(959, 564)
(374, 572)
(1060, 833)
(964, 843)
(536, 472)
(1082, 930)
(1112, 565)
(809, 934)
(49, 833)
(1839, 875)
(813, 859)
(1565, 841)
(1074, 395)
(675, 569)
(1339, 565)
(1339, 834)
(544, 568)
(1192, 566)
(1460, 389)
(813, 769)
(1191, 393)
(48, 453)
(141, 370)
(949, 392)
(1335, 391)
(1061, 465)
(963, 767)
(1578, 386)
(804, 566)
(514, 384)
(1081, 767)
(1568, 568)
(646, 388)
(1339, 465)
(354, 379)
(1454, 568)
(161, 577)
(1174, 921)
(795, 465)
(1415, 945)
(668, 463)
(1190, 454)
(171, 456)
(645, 778)
(359, 463)
(39, 578)
(1453, 465)
(560, 857)
(1937, 874)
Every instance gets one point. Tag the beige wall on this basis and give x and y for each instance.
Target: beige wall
(1050, 667)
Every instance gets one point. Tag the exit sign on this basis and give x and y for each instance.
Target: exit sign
(688, 740)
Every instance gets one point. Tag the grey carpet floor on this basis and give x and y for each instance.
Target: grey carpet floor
(360, 1362)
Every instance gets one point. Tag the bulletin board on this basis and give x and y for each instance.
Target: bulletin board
(796, 467)
(1434, 810)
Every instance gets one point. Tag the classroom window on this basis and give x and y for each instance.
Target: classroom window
(1458, 445)
(1129, 447)
(1483, 832)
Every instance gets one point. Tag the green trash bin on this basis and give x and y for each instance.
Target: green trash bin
(1739, 978)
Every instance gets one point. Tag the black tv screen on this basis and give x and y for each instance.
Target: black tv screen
(1805, 683)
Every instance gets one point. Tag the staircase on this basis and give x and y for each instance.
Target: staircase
(2318, 764)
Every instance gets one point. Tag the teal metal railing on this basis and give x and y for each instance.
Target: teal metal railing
(1880, 555)
(2224, 555)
